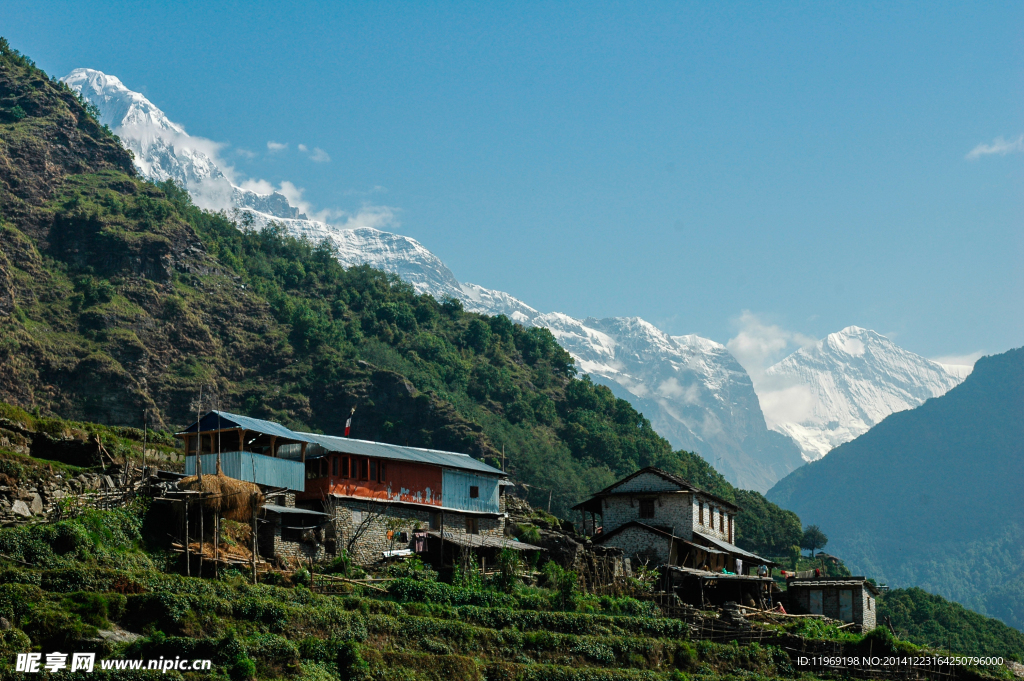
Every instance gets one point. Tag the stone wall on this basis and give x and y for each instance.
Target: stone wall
(647, 482)
(712, 513)
(640, 546)
(376, 520)
(864, 604)
(671, 512)
(282, 499)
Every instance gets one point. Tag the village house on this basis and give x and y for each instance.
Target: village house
(850, 599)
(373, 500)
(660, 519)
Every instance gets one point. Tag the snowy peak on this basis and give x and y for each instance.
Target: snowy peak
(835, 390)
(118, 105)
(163, 150)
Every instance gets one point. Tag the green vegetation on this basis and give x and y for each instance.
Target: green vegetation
(928, 619)
(419, 629)
(813, 539)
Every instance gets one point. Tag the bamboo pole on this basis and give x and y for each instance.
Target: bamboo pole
(216, 517)
(188, 553)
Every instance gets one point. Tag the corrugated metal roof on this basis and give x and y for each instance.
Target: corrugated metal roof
(381, 450)
(705, 574)
(274, 508)
(484, 541)
(228, 420)
(840, 581)
(732, 548)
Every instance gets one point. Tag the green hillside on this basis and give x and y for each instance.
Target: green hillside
(931, 497)
(930, 620)
(117, 295)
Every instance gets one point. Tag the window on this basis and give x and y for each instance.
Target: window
(380, 472)
(344, 467)
(373, 469)
(474, 492)
(814, 601)
(647, 508)
(721, 522)
(700, 508)
(472, 525)
(334, 465)
(846, 605)
(435, 521)
(364, 469)
(317, 468)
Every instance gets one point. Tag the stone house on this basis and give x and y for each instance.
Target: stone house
(297, 533)
(661, 519)
(850, 599)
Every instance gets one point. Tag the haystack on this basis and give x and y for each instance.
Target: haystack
(233, 499)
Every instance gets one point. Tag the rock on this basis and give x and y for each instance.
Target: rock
(117, 635)
(4, 624)
(21, 508)
(36, 505)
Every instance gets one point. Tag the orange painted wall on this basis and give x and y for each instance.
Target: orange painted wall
(403, 481)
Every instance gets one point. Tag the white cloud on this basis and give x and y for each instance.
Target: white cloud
(258, 186)
(759, 344)
(999, 146)
(319, 155)
(967, 360)
(377, 217)
(276, 146)
(671, 388)
(792, 404)
(376, 189)
(245, 152)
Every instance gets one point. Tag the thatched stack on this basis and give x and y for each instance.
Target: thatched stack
(233, 499)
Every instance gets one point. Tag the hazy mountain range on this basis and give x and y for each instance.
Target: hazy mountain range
(695, 393)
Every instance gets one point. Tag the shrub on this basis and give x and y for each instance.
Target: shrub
(350, 661)
(685, 656)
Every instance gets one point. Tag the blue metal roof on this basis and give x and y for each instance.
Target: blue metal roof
(381, 450)
(210, 422)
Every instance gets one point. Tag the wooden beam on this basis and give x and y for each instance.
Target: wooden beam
(303, 452)
(273, 446)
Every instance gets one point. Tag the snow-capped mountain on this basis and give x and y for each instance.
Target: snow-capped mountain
(835, 390)
(692, 389)
(163, 150)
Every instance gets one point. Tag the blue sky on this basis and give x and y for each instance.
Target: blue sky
(785, 169)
